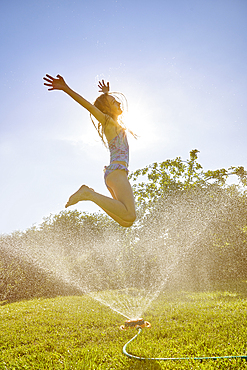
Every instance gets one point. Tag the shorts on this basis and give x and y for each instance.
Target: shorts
(112, 167)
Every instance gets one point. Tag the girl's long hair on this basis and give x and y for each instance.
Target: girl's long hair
(103, 105)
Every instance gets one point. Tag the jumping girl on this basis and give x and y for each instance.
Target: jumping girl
(106, 110)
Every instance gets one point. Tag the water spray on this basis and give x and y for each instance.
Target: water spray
(139, 324)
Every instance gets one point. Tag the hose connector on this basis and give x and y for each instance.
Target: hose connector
(135, 323)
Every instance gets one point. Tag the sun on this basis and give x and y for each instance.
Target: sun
(138, 119)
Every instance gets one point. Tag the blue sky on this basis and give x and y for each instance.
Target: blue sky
(180, 63)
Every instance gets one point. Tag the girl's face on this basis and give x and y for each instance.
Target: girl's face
(114, 105)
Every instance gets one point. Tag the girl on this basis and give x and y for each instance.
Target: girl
(106, 110)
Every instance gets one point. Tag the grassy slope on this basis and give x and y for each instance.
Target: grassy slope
(79, 333)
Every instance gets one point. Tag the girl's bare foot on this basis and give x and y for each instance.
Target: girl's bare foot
(82, 194)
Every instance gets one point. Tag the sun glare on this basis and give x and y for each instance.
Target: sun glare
(138, 119)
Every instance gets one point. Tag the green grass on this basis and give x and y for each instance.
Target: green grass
(80, 333)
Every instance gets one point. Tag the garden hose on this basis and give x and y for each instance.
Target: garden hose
(173, 358)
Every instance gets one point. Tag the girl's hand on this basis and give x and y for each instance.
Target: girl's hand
(103, 87)
(55, 83)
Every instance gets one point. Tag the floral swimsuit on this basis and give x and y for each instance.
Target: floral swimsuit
(119, 151)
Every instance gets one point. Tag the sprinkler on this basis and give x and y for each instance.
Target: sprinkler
(135, 323)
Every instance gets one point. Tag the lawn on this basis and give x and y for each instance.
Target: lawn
(80, 333)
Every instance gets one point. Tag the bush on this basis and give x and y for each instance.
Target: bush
(191, 230)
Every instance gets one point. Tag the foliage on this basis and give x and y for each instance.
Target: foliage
(198, 234)
(191, 228)
(61, 256)
(193, 219)
(177, 175)
(21, 278)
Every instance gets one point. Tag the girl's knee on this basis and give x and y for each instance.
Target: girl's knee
(131, 217)
(128, 220)
(127, 224)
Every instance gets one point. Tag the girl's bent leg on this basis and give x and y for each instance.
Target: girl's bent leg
(121, 209)
(120, 189)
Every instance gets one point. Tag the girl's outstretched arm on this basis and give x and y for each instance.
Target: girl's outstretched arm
(59, 84)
